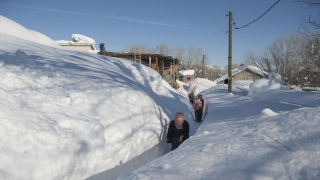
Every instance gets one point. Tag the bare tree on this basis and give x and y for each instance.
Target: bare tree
(138, 49)
(309, 72)
(179, 53)
(284, 54)
(261, 61)
(233, 66)
(294, 57)
(311, 24)
(212, 72)
(162, 49)
(194, 60)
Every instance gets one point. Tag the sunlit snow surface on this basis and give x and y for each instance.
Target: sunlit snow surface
(247, 137)
(67, 114)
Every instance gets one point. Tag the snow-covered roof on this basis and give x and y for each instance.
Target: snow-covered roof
(78, 39)
(241, 68)
(187, 72)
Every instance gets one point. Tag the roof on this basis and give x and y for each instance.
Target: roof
(242, 67)
(78, 40)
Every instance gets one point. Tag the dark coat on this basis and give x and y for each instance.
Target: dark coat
(191, 95)
(184, 131)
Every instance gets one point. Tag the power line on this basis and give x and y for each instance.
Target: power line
(218, 49)
(212, 36)
(259, 16)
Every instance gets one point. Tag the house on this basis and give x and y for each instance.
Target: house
(244, 72)
(79, 42)
(166, 66)
(186, 75)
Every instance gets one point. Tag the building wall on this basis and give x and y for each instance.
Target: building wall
(186, 78)
(81, 48)
(245, 75)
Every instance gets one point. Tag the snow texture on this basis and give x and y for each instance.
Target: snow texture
(187, 72)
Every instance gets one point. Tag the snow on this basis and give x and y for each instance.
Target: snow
(74, 115)
(8, 27)
(80, 39)
(241, 68)
(244, 137)
(187, 72)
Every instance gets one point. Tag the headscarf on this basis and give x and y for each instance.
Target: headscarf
(178, 121)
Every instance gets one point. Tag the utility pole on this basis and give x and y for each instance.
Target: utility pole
(202, 65)
(230, 54)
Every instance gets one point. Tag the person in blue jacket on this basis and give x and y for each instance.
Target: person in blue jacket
(178, 131)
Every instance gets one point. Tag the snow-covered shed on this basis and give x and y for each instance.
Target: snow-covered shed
(186, 75)
(79, 42)
(166, 66)
(244, 72)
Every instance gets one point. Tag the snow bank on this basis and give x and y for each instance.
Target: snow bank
(198, 85)
(272, 90)
(263, 85)
(75, 115)
(9, 27)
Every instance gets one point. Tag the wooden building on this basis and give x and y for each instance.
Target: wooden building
(243, 73)
(166, 66)
(186, 76)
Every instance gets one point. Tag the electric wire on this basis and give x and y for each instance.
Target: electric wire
(218, 49)
(212, 35)
(259, 16)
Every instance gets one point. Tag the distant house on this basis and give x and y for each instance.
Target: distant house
(186, 75)
(79, 42)
(166, 66)
(244, 72)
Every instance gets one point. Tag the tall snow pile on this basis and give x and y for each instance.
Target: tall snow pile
(72, 115)
(12, 28)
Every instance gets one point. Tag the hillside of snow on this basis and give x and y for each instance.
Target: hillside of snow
(68, 114)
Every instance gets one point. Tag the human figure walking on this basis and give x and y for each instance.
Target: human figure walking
(178, 131)
(198, 105)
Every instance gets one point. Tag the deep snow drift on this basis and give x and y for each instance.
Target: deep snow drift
(67, 114)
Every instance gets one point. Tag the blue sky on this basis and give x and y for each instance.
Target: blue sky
(202, 23)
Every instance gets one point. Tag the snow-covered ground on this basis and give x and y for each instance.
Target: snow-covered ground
(67, 114)
(247, 137)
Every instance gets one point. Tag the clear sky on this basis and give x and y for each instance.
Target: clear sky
(199, 23)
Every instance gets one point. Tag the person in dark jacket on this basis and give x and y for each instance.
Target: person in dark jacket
(191, 97)
(178, 131)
